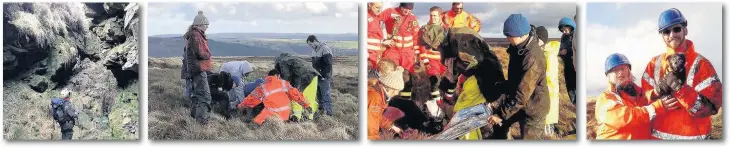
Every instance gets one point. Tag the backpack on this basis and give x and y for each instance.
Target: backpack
(62, 110)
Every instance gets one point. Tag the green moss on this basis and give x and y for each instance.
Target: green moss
(125, 110)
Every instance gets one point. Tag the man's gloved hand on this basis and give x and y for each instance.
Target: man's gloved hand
(673, 82)
(663, 88)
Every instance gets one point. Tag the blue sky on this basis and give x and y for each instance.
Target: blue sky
(631, 29)
(256, 17)
(493, 15)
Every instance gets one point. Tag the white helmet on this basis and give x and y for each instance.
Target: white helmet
(65, 93)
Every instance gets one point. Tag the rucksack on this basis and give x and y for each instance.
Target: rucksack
(62, 110)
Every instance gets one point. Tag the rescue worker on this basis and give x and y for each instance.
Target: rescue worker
(567, 27)
(527, 102)
(238, 70)
(196, 65)
(276, 95)
(430, 38)
(375, 34)
(701, 95)
(322, 62)
(64, 114)
(401, 31)
(551, 49)
(384, 84)
(304, 77)
(457, 17)
(623, 111)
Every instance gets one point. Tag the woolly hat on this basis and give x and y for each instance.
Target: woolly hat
(200, 19)
(392, 79)
(516, 25)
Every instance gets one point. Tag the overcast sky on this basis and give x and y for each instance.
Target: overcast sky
(255, 17)
(493, 15)
(631, 29)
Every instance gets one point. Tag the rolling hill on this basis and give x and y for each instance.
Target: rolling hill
(254, 44)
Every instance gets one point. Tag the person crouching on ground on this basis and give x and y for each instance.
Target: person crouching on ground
(276, 95)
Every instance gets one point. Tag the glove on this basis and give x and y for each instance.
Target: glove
(668, 84)
(663, 88)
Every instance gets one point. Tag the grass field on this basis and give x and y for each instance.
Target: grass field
(169, 111)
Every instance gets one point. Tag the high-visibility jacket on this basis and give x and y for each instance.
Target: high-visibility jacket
(310, 95)
(376, 108)
(552, 74)
(622, 116)
(470, 96)
(700, 98)
(276, 94)
(463, 19)
(403, 30)
(375, 38)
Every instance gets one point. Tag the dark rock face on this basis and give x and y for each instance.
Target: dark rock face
(104, 40)
(38, 84)
(84, 48)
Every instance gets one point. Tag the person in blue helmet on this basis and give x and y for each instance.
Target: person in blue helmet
(684, 74)
(622, 110)
(567, 27)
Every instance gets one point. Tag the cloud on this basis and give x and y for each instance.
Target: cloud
(635, 35)
(315, 7)
(281, 17)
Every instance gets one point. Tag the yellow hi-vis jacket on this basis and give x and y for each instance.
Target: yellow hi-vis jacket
(552, 74)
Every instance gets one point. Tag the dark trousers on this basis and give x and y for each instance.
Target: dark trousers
(200, 97)
(324, 98)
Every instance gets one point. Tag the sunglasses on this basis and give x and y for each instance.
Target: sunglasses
(675, 30)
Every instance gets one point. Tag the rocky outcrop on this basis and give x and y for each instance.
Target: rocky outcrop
(83, 47)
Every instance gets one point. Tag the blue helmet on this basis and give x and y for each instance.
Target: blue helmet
(671, 17)
(566, 21)
(614, 60)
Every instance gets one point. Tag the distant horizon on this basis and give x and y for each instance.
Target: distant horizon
(256, 33)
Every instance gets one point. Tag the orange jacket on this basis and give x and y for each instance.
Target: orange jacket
(467, 20)
(402, 28)
(376, 107)
(433, 60)
(275, 94)
(623, 117)
(375, 38)
(700, 98)
(430, 56)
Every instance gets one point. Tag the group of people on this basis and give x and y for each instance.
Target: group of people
(679, 91)
(287, 92)
(464, 76)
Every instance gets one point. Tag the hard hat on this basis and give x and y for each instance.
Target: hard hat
(614, 60)
(566, 21)
(671, 17)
